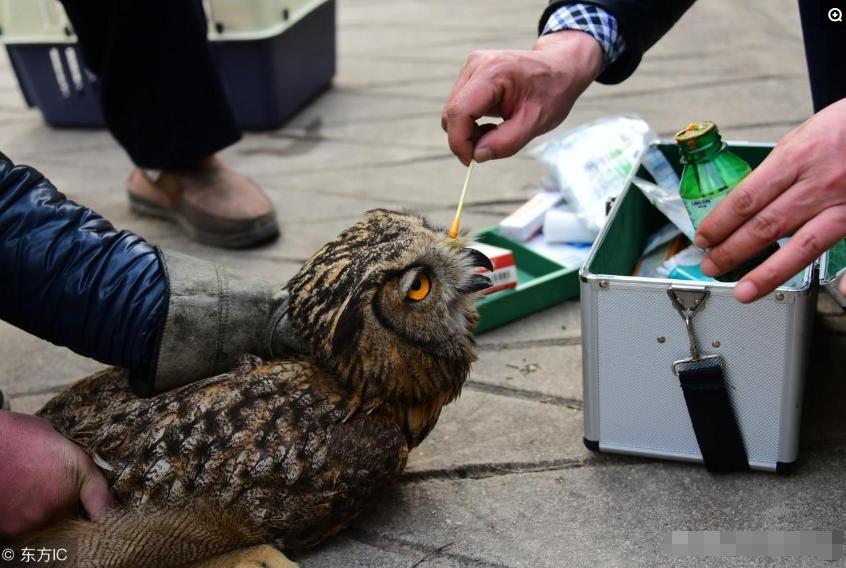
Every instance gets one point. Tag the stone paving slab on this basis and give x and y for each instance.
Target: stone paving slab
(559, 324)
(406, 176)
(365, 72)
(280, 155)
(31, 141)
(344, 104)
(613, 513)
(413, 130)
(30, 404)
(445, 15)
(30, 365)
(482, 431)
(348, 552)
(551, 374)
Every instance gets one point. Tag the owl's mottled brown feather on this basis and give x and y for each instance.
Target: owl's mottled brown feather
(280, 442)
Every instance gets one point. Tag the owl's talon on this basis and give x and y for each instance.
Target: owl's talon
(261, 556)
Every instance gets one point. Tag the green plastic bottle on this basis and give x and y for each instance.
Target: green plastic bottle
(710, 173)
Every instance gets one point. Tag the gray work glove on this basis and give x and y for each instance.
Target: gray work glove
(213, 317)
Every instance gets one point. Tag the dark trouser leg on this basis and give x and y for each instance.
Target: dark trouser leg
(162, 96)
(824, 49)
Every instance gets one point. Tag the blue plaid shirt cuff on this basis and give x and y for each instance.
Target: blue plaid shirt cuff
(594, 21)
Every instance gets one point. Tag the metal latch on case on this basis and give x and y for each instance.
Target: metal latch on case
(688, 302)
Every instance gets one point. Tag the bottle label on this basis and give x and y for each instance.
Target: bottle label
(698, 209)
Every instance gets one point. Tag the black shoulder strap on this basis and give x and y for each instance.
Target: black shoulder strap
(712, 416)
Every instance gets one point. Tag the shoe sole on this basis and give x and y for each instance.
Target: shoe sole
(258, 233)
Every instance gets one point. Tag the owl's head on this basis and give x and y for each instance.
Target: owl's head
(389, 307)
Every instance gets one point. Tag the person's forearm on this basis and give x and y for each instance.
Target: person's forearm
(532, 90)
(641, 24)
(68, 276)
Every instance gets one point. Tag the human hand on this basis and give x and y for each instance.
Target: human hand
(799, 189)
(532, 90)
(44, 476)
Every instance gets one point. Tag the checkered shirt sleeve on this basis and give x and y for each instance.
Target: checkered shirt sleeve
(592, 20)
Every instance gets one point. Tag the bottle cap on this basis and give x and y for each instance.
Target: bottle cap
(699, 139)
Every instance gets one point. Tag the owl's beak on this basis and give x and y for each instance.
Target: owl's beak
(479, 259)
(476, 283)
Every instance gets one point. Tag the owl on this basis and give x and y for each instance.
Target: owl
(286, 452)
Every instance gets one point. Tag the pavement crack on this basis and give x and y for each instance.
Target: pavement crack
(499, 36)
(572, 403)
(488, 470)
(354, 166)
(370, 119)
(435, 553)
(408, 82)
(483, 203)
(298, 138)
(406, 546)
(404, 202)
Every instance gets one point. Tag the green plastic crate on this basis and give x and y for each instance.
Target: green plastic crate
(541, 283)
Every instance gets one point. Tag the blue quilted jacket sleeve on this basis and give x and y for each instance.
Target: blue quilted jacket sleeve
(68, 276)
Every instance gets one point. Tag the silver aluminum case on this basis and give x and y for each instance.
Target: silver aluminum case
(633, 402)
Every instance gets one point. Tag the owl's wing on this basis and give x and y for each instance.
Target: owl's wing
(280, 440)
(84, 409)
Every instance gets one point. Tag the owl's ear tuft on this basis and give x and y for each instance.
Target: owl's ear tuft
(348, 323)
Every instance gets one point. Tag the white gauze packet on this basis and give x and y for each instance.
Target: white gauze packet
(593, 162)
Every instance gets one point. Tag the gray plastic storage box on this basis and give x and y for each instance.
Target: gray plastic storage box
(273, 56)
(633, 334)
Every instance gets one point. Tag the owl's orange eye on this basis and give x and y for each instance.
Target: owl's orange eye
(420, 287)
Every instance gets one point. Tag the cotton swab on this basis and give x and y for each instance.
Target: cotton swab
(456, 223)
